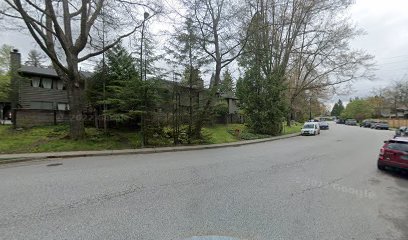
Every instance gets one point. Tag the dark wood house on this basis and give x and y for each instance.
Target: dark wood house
(38, 96)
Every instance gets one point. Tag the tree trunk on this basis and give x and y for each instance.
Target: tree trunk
(289, 117)
(76, 105)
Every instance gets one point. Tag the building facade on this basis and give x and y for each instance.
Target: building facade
(38, 95)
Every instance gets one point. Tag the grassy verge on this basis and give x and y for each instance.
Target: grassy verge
(54, 138)
(295, 128)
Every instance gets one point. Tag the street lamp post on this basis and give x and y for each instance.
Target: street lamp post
(310, 108)
(309, 95)
(142, 126)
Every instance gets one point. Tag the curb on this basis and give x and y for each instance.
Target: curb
(16, 158)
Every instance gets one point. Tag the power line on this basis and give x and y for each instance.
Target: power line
(405, 55)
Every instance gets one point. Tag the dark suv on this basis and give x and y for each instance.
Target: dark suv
(351, 122)
(366, 123)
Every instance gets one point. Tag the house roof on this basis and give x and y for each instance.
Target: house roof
(48, 72)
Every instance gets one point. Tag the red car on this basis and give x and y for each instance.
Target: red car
(394, 153)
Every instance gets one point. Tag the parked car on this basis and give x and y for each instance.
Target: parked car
(366, 123)
(401, 132)
(340, 121)
(381, 125)
(310, 128)
(351, 122)
(324, 126)
(374, 123)
(394, 154)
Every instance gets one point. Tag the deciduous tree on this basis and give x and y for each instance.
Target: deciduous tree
(5, 58)
(73, 31)
(219, 29)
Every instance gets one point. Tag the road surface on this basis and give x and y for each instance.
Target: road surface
(318, 187)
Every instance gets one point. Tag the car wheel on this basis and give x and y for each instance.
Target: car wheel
(380, 167)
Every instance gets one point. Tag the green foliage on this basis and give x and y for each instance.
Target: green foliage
(337, 108)
(54, 139)
(227, 84)
(196, 80)
(5, 58)
(221, 109)
(261, 98)
(4, 88)
(358, 109)
(126, 95)
(185, 49)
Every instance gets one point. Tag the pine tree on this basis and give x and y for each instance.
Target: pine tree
(227, 84)
(35, 58)
(337, 109)
(261, 89)
(185, 51)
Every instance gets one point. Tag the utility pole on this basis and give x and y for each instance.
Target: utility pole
(105, 107)
(310, 108)
(309, 95)
(142, 125)
(190, 122)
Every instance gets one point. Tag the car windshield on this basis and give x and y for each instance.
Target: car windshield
(398, 146)
(309, 126)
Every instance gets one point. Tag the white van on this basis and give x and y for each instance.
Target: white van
(310, 128)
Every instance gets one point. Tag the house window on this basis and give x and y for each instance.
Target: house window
(35, 82)
(63, 106)
(60, 84)
(46, 83)
(41, 105)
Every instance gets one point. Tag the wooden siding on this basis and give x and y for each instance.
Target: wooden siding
(28, 94)
(32, 117)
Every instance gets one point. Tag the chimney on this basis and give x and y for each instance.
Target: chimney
(15, 65)
(15, 61)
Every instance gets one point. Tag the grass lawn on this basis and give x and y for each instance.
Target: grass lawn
(54, 138)
(294, 128)
(223, 133)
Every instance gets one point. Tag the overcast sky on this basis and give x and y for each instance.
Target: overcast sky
(386, 27)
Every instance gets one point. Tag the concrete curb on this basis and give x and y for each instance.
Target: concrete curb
(14, 158)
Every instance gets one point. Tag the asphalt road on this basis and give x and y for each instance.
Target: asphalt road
(317, 187)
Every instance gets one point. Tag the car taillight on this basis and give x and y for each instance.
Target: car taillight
(382, 150)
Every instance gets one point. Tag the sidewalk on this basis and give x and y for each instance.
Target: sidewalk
(9, 158)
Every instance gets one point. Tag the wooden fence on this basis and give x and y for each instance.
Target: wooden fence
(396, 123)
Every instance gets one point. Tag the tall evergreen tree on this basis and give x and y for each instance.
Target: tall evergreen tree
(337, 108)
(35, 58)
(261, 90)
(186, 51)
(227, 84)
(126, 95)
